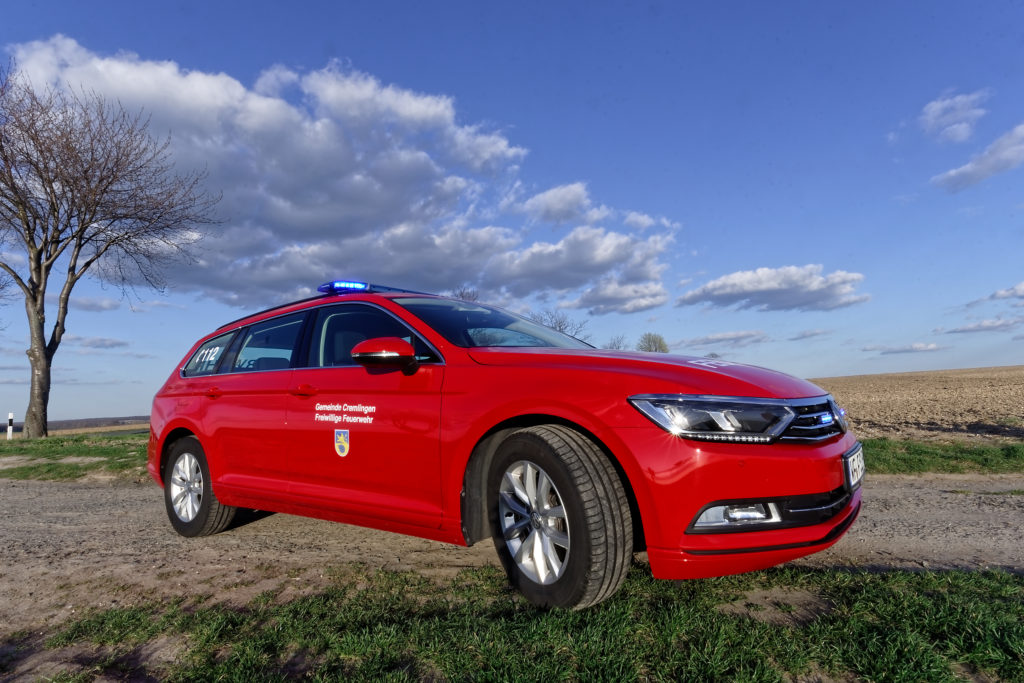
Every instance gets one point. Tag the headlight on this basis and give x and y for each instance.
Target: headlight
(717, 418)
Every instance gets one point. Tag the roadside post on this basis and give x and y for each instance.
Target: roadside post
(10, 426)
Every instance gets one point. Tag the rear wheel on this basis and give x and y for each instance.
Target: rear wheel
(559, 517)
(188, 496)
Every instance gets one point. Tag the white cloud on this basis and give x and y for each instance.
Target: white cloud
(611, 295)
(991, 325)
(640, 221)
(359, 97)
(331, 172)
(94, 342)
(1015, 292)
(917, 347)
(952, 117)
(275, 79)
(95, 304)
(585, 256)
(735, 340)
(801, 288)
(809, 334)
(1005, 154)
(86, 303)
(560, 204)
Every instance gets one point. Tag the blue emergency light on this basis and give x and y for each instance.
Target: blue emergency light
(338, 286)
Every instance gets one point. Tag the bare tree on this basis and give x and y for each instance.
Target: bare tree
(618, 342)
(560, 321)
(84, 189)
(651, 341)
(466, 293)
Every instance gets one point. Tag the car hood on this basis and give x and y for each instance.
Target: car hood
(657, 372)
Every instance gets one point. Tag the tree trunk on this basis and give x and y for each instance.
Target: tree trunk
(39, 393)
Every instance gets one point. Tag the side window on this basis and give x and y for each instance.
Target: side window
(206, 357)
(268, 345)
(339, 328)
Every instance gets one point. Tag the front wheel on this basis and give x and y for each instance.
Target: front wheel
(188, 494)
(559, 517)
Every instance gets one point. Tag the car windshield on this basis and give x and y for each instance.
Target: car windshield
(469, 324)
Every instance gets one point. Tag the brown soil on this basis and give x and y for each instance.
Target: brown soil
(70, 547)
(951, 405)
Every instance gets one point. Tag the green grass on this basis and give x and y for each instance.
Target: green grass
(899, 626)
(369, 625)
(886, 456)
(125, 455)
(120, 454)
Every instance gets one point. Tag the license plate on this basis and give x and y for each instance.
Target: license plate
(853, 464)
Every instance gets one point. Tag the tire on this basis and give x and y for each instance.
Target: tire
(559, 517)
(188, 492)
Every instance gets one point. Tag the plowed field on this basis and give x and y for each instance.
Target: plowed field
(949, 405)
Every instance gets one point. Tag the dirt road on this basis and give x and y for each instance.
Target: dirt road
(66, 547)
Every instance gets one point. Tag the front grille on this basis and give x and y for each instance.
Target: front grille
(814, 422)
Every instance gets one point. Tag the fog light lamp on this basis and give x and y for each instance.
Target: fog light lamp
(738, 515)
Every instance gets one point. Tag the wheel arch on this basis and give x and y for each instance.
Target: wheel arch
(473, 498)
(175, 435)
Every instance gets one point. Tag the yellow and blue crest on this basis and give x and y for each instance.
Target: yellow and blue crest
(341, 442)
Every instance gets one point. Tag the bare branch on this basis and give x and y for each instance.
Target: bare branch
(559, 320)
(619, 342)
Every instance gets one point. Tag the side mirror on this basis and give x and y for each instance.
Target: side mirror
(386, 352)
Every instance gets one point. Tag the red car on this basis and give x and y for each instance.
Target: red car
(456, 421)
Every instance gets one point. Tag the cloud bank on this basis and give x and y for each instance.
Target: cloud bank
(330, 172)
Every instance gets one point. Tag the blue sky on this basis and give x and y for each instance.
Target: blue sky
(820, 188)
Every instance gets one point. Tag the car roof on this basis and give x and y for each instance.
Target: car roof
(369, 293)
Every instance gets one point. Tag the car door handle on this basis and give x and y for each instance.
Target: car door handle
(214, 392)
(304, 390)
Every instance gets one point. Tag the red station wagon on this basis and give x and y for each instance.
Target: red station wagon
(456, 421)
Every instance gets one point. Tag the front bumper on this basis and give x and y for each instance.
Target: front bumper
(682, 478)
(726, 559)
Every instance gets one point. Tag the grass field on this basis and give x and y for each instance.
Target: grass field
(124, 456)
(62, 457)
(375, 625)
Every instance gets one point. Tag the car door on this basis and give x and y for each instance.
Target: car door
(246, 404)
(366, 440)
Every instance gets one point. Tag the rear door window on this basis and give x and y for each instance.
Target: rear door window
(268, 345)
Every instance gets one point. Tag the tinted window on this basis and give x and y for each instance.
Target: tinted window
(206, 357)
(470, 324)
(269, 345)
(339, 328)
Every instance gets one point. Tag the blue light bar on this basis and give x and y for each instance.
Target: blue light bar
(338, 286)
